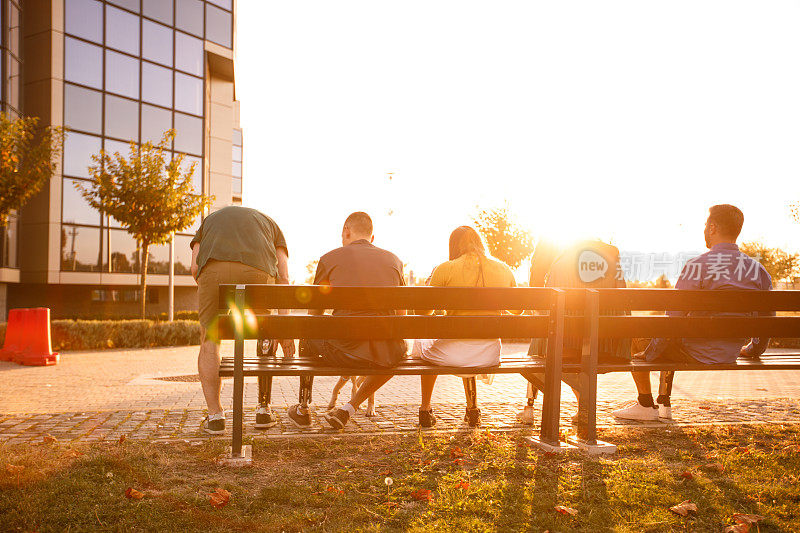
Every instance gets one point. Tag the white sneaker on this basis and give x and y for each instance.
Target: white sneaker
(665, 412)
(526, 416)
(636, 411)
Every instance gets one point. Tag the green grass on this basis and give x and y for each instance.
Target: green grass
(478, 482)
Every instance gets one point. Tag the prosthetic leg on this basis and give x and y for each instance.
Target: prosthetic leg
(473, 415)
(526, 415)
(265, 348)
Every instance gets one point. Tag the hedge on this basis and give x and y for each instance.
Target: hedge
(108, 334)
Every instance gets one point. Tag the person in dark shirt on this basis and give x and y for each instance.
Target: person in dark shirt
(233, 245)
(358, 263)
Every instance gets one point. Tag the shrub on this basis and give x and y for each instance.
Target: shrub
(105, 334)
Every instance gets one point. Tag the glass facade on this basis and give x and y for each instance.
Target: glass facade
(133, 69)
(236, 171)
(10, 103)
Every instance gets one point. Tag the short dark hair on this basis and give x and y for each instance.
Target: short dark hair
(728, 219)
(359, 223)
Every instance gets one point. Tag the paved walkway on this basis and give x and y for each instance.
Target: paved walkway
(153, 394)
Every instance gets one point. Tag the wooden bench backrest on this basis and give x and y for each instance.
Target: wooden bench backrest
(258, 299)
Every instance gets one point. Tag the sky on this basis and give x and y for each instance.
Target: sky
(621, 120)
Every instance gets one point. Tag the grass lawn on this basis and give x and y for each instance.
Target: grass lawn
(477, 482)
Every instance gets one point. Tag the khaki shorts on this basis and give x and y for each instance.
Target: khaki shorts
(216, 273)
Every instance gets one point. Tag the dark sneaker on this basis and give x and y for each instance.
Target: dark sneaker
(426, 418)
(265, 418)
(214, 426)
(301, 420)
(337, 418)
(473, 417)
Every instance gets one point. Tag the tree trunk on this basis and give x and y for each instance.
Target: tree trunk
(143, 285)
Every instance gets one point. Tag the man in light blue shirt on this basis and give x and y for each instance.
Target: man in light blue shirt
(723, 267)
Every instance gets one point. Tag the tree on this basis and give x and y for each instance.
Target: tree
(780, 264)
(149, 196)
(507, 240)
(28, 158)
(311, 271)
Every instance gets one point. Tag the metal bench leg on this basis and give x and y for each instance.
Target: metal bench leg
(551, 405)
(239, 456)
(306, 384)
(471, 392)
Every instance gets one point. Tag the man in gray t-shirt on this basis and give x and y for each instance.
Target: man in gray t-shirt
(358, 263)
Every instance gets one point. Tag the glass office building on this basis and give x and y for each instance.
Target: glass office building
(112, 73)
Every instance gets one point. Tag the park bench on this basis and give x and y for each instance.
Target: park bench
(244, 314)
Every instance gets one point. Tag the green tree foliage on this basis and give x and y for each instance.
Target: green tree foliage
(311, 271)
(147, 194)
(780, 264)
(507, 240)
(28, 158)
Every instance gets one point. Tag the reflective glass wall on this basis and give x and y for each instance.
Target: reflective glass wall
(236, 170)
(10, 90)
(133, 69)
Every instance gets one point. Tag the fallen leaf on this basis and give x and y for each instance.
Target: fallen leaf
(566, 510)
(335, 490)
(14, 469)
(386, 472)
(704, 407)
(387, 451)
(133, 494)
(464, 485)
(747, 519)
(456, 452)
(743, 449)
(422, 495)
(738, 528)
(458, 461)
(717, 467)
(219, 498)
(48, 439)
(687, 475)
(122, 438)
(684, 508)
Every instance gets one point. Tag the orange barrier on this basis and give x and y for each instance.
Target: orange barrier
(13, 340)
(30, 335)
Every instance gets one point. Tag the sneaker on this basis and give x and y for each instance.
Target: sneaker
(473, 417)
(337, 419)
(526, 416)
(214, 426)
(265, 418)
(301, 420)
(636, 411)
(665, 412)
(426, 418)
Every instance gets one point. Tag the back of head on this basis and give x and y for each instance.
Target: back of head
(465, 239)
(359, 224)
(728, 219)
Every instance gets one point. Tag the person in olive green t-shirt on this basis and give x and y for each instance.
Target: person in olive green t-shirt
(235, 245)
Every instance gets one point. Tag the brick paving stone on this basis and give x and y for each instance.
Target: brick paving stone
(95, 396)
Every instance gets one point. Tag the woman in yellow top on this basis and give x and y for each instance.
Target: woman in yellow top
(468, 266)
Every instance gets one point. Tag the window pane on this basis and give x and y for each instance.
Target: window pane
(236, 186)
(188, 134)
(122, 118)
(112, 147)
(157, 43)
(189, 16)
(223, 3)
(188, 94)
(237, 137)
(155, 122)
(76, 210)
(123, 253)
(158, 260)
(160, 10)
(156, 84)
(236, 169)
(237, 153)
(218, 26)
(133, 5)
(183, 255)
(84, 18)
(80, 248)
(122, 30)
(83, 63)
(9, 243)
(188, 54)
(197, 175)
(83, 109)
(122, 74)
(78, 151)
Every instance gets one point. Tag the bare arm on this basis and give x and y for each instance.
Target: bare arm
(195, 252)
